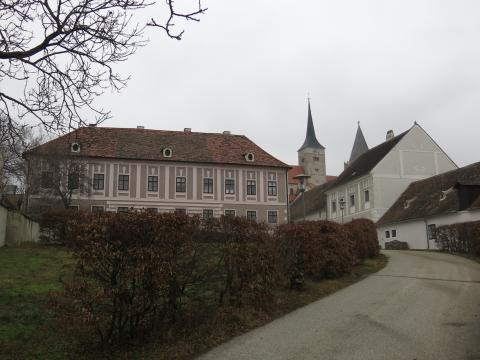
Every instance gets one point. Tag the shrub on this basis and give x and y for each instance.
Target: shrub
(320, 249)
(460, 238)
(363, 234)
(53, 225)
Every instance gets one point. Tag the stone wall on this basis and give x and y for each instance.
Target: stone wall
(16, 228)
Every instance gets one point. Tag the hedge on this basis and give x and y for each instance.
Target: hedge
(460, 238)
(137, 272)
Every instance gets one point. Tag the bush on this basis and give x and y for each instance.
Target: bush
(320, 249)
(53, 224)
(364, 236)
(139, 271)
(460, 238)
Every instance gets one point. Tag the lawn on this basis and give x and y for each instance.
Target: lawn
(29, 273)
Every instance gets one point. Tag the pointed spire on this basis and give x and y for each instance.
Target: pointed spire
(359, 146)
(310, 138)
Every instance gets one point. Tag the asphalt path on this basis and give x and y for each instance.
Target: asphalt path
(422, 305)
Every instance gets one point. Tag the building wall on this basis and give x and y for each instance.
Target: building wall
(414, 232)
(357, 188)
(194, 200)
(415, 157)
(313, 162)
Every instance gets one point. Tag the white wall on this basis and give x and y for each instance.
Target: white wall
(415, 157)
(414, 232)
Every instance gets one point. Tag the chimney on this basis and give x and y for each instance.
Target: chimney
(226, 132)
(187, 130)
(140, 127)
(390, 135)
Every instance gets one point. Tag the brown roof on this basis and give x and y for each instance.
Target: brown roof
(294, 171)
(368, 160)
(315, 201)
(147, 144)
(433, 196)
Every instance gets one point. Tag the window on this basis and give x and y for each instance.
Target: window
(229, 186)
(152, 210)
(431, 232)
(291, 191)
(251, 187)
(181, 211)
(316, 158)
(123, 182)
(272, 188)
(229, 213)
(122, 209)
(208, 185)
(207, 213)
(334, 206)
(73, 180)
(46, 181)
(367, 196)
(153, 183)
(97, 209)
(387, 234)
(181, 184)
(394, 233)
(98, 181)
(352, 200)
(272, 217)
(251, 215)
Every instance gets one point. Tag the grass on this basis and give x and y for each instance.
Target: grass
(29, 273)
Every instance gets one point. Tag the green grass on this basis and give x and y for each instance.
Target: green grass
(29, 273)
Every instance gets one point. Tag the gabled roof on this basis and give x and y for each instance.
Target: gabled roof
(359, 145)
(310, 138)
(315, 201)
(433, 196)
(368, 160)
(147, 144)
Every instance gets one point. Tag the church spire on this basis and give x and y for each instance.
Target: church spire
(359, 146)
(310, 139)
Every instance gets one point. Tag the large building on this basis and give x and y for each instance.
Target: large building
(373, 181)
(208, 174)
(374, 178)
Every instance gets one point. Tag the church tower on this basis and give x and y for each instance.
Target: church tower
(359, 146)
(312, 155)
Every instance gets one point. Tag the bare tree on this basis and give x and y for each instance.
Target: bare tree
(61, 54)
(62, 177)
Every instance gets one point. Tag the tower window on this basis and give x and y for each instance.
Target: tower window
(316, 158)
(303, 160)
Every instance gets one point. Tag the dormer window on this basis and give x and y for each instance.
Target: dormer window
(250, 157)
(75, 147)
(167, 152)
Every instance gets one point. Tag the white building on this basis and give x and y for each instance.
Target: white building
(448, 198)
(372, 182)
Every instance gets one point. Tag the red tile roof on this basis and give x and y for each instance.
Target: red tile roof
(147, 144)
(294, 171)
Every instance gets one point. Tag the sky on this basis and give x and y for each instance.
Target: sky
(248, 66)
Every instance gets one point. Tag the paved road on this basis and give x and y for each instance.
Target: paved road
(421, 306)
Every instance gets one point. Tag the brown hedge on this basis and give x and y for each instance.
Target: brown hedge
(139, 271)
(460, 238)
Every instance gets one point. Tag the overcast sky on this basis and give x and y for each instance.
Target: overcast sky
(248, 66)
